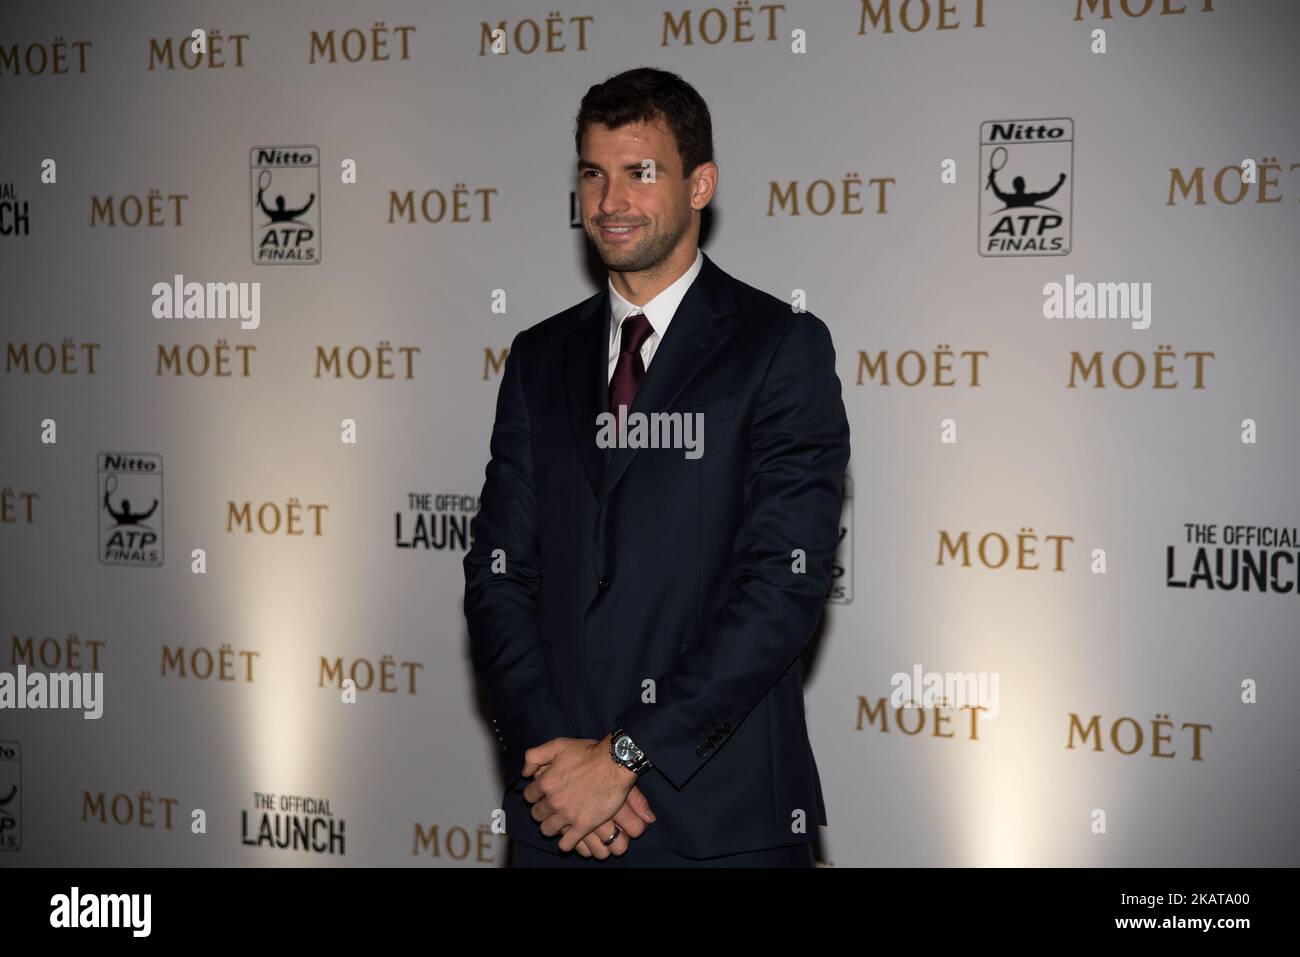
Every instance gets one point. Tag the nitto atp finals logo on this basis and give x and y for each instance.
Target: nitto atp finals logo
(1026, 201)
(130, 510)
(286, 205)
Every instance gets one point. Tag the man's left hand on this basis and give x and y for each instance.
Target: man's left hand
(581, 786)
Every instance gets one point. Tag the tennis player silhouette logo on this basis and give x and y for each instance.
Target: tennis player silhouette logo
(123, 514)
(1017, 198)
(279, 213)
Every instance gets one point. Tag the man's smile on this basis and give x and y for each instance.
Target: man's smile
(617, 233)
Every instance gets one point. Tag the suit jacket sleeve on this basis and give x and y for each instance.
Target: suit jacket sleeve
(501, 605)
(794, 477)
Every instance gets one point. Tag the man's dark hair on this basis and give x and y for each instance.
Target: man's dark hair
(646, 94)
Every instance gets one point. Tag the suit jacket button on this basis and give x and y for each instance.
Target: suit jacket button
(603, 583)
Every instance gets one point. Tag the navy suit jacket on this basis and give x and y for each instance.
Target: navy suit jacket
(706, 576)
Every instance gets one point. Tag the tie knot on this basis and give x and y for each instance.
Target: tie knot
(636, 330)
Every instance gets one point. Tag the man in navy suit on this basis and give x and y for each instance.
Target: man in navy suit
(641, 584)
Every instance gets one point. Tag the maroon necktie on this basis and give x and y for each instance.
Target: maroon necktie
(629, 370)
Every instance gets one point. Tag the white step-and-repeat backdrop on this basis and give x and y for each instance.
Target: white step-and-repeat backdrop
(1055, 241)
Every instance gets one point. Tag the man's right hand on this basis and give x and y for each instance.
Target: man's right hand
(632, 818)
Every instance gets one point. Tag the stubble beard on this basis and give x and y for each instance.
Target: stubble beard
(650, 251)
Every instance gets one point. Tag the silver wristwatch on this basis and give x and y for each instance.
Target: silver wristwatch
(625, 752)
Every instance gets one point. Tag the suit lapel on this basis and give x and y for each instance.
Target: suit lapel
(694, 334)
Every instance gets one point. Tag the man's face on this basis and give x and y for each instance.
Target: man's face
(615, 189)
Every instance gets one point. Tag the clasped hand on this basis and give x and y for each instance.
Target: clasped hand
(579, 792)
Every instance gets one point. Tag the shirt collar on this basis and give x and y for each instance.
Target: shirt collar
(660, 309)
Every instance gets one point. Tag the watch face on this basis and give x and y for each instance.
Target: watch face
(623, 748)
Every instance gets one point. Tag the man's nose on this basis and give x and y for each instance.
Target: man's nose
(614, 197)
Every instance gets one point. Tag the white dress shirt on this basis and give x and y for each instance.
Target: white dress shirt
(658, 310)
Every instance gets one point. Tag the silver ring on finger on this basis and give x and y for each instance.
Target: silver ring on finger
(613, 837)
